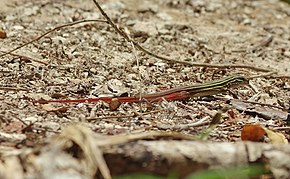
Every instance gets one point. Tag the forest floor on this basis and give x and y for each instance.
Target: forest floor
(91, 59)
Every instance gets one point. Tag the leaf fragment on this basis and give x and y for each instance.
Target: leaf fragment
(253, 133)
(2, 34)
(276, 137)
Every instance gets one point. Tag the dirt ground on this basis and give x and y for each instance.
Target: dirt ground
(88, 60)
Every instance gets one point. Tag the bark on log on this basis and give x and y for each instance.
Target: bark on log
(79, 153)
(185, 157)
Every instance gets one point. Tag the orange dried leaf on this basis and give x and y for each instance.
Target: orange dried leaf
(253, 133)
(2, 34)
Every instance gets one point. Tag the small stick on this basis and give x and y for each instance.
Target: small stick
(123, 34)
(271, 74)
(139, 74)
(262, 75)
(123, 116)
(261, 104)
(252, 102)
(202, 122)
(286, 128)
(48, 32)
(262, 43)
(12, 89)
(281, 76)
(22, 58)
(32, 125)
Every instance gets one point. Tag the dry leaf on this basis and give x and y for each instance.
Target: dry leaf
(275, 137)
(114, 104)
(235, 116)
(117, 87)
(90, 151)
(253, 133)
(58, 95)
(2, 33)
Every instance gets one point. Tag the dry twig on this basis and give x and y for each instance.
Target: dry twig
(12, 88)
(202, 122)
(262, 75)
(252, 102)
(262, 43)
(123, 34)
(24, 58)
(124, 116)
(48, 32)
